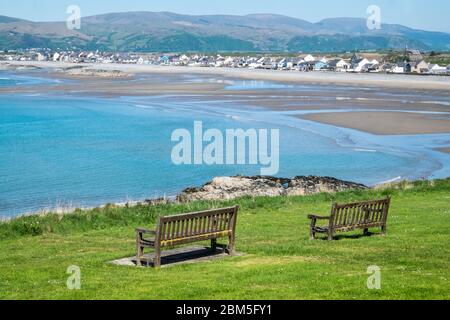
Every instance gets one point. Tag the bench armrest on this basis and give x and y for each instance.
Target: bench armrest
(145, 231)
(315, 217)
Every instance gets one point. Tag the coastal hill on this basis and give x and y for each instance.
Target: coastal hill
(166, 31)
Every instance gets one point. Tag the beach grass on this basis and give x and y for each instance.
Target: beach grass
(280, 261)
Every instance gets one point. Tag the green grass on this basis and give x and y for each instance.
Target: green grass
(280, 262)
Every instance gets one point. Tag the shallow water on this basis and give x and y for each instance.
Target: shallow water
(76, 151)
(9, 79)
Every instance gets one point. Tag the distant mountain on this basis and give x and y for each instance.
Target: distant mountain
(166, 31)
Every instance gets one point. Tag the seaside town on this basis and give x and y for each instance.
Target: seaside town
(410, 61)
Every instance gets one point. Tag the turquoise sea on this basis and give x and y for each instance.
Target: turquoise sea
(82, 151)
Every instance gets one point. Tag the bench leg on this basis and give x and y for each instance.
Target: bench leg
(330, 235)
(231, 245)
(366, 232)
(383, 230)
(312, 234)
(157, 259)
(138, 258)
(213, 244)
(139, 253)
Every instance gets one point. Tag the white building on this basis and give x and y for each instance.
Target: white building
(309, 58)
(228, 61)
(398, 69)
(282, 64)
(437, 69)
(358, 66)
(38, 56)
(56, 56)
(339, 65)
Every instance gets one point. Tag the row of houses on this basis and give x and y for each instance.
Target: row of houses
(75, 57)
(357, 64)
(412, 61)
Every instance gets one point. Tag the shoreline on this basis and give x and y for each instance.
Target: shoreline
(207, 192)
(335, 78)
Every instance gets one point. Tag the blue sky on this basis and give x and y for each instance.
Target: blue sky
(423, 14)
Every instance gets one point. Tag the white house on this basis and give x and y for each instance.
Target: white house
(228, 61)
(437, 69)
(219, 61)
(339, 65)
(56, 56)
(282, 64)
(342, 65)
(372, 66)
(399, 68)
(290, 65)
(358, 65)
(309, 58)
(38, 56)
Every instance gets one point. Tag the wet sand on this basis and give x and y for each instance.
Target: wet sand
(386, 123)
(444, 150)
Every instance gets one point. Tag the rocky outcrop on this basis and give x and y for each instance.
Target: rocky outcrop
(226, 188)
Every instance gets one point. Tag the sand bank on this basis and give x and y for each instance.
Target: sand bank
(386, 123)
(444, 150)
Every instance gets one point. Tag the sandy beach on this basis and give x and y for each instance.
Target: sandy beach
(377, 80)
(386, 123)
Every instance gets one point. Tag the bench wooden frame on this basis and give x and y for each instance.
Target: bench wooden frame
(188, 228)
(352, 216)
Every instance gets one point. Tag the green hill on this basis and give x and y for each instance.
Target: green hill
(166, 31)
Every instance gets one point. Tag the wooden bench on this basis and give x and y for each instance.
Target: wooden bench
(348, 217)
(188, 228)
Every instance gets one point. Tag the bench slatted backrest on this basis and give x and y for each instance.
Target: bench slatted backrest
(197, 224)
(359, 213)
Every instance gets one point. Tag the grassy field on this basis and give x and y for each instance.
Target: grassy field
(279, 262)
